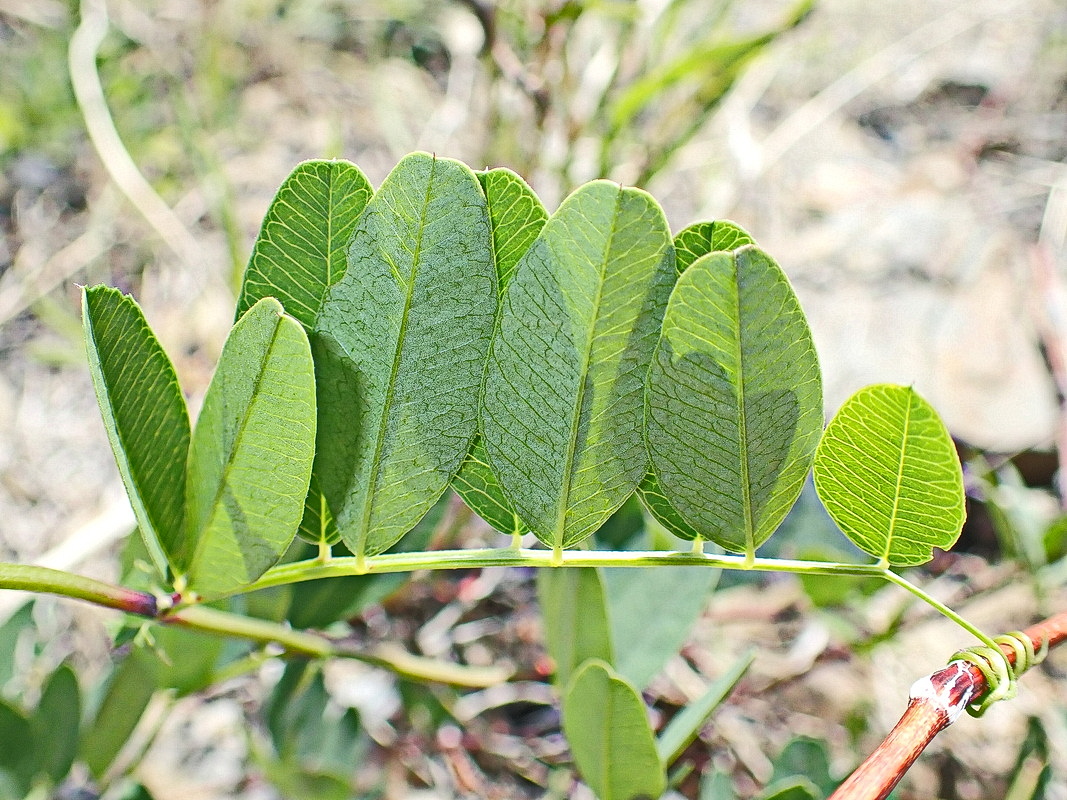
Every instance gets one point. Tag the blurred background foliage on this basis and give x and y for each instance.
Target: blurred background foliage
(904, 162)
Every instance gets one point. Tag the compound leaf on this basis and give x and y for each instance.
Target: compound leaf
(734, 402)
(516, 216)
(400, 346)
(144, 414)
(302, 247)
(561, 413)
(888, 474)
(251, 454)
(606, 724)
(691, 243)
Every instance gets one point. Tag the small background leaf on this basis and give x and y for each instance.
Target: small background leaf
(16, 753)
(129, 691)
(56, 724)
(144, 415)
(399, 349)
(561, 414)
(574, 613)
(888, 474)
(734, 402)
(250, 460)
(651, 611)
(606, 724)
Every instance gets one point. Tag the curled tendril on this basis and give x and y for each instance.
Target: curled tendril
(1001, 676)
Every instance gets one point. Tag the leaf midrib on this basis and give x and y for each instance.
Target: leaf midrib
(375, 464)
(900, 481)
(153, 538)
(742, 422)
(576, 409)
(201, 540)
(332, 175)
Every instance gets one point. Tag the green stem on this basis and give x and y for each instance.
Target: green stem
(53, 581)
(212, 620)
(299, 571)
(904, 583)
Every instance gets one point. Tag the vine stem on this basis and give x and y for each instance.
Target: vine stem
(935, 702)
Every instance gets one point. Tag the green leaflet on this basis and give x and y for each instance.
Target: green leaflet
(575, 615)
(481, 491)
(734, 402)
(561, 413)
(691, 243)
(399, 347)
(702, 238)
(606, 725)
(127, 696)
(888, 474)
(516, 216)
(144, 414)
(56, 724)
(251, 454)
(301, 251)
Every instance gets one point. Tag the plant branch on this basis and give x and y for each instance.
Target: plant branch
(46, 580)
(935, 702)
(210, 620)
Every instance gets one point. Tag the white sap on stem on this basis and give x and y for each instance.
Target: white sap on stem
(941, 698)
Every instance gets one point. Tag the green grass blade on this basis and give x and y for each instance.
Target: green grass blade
(889, 476)
(561, 415)
(686, 724)
(250, 459)
(606, 725)
(690, 243)
(516, 216)
(144, 414)
(734, 403)
(400, 347)
(302, 247)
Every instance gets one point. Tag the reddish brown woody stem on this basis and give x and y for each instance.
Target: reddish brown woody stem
(936, 702)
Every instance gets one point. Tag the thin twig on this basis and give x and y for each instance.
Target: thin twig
(936, 702)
